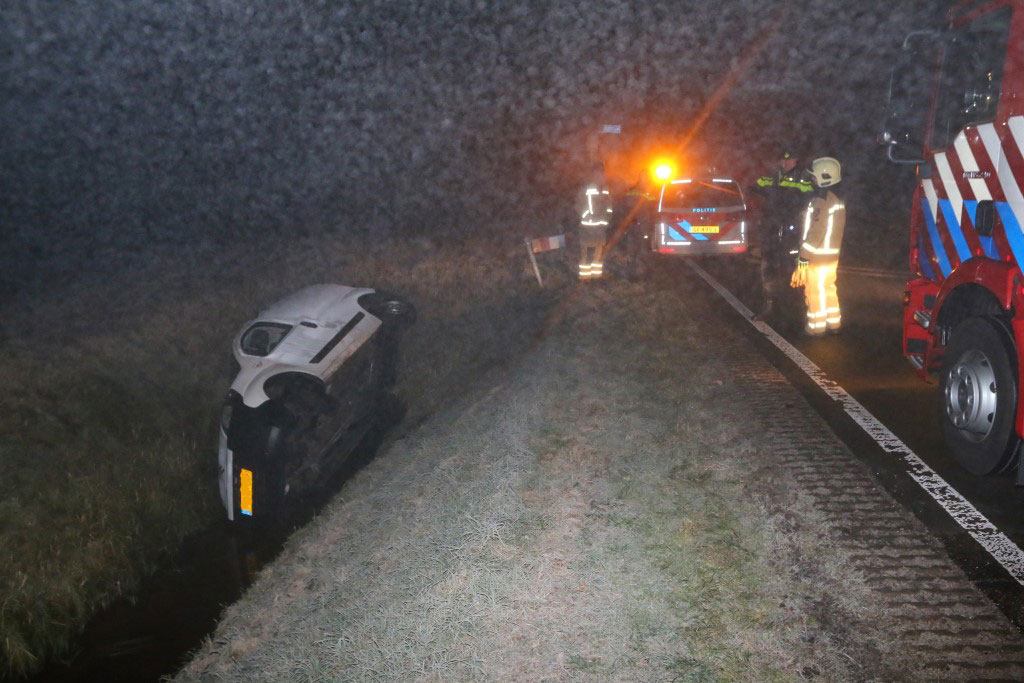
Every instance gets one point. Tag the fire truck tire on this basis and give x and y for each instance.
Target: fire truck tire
(978, 396)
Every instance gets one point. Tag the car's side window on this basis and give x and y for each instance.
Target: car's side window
(262, 338)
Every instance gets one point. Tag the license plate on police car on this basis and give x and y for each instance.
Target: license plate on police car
(705, 229)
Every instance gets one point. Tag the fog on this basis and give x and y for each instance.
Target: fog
(129, 126)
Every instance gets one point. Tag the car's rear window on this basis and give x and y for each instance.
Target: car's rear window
(697, 195)
(262, 338)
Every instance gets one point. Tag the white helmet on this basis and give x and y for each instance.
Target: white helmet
(825, 171)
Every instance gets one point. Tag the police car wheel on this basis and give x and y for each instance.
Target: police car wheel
(978, 396)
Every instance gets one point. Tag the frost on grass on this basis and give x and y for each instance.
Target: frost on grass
(123, 404)
(168, 169)
(584, 514)
(419, 560)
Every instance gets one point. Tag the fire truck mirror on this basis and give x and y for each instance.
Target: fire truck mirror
(985, 218)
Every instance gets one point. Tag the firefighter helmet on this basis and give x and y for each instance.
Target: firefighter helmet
(825, 171)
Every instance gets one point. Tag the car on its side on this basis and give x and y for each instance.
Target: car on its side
(314, 373)
(698, 216)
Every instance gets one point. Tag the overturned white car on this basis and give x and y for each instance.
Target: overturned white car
(315, 369)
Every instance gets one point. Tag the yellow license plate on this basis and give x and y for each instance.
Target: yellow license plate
(706, 229)
(245, 491)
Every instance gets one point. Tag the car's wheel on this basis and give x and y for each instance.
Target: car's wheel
(978, 396)
(388, 308)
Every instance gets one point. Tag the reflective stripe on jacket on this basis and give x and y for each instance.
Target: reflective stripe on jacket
(595, 206)
(824, 222)
(784, 181)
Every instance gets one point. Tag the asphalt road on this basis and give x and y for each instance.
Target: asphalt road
(865, 359)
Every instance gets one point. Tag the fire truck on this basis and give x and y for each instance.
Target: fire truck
(955, 111)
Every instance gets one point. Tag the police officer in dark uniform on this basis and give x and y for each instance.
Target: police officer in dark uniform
(784, 195)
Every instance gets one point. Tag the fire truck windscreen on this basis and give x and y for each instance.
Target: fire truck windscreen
(972, 74)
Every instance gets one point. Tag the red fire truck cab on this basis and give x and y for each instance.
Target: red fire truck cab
(954, 111)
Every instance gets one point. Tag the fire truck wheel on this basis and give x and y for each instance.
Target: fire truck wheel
(978, 396)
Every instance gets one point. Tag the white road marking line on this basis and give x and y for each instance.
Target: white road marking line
(998, 545)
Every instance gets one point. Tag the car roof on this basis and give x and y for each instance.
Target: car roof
(706, 179)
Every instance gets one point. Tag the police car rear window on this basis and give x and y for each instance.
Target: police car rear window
(706, 195)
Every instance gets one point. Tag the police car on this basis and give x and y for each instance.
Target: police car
(698, 216)
(314, 373)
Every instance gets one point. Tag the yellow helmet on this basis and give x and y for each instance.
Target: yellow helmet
(826, 171)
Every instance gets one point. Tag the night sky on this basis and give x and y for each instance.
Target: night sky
(133, 125)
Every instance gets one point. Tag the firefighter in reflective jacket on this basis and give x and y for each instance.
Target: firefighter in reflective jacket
(595, 208)
(824, 221)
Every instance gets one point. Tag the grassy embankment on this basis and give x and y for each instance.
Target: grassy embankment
(111, 392)
(598, 511)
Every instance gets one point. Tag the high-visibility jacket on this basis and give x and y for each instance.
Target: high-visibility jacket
(784, 195)
(784, 180)
(824, 222)
(595, 206)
